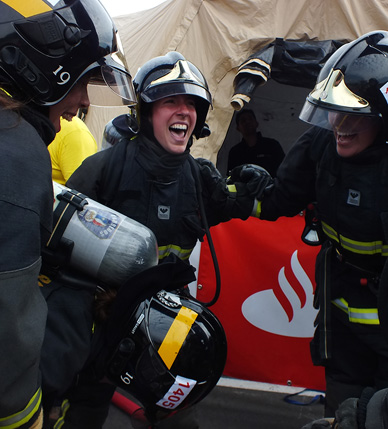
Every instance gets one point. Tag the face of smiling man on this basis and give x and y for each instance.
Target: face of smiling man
(173, 120)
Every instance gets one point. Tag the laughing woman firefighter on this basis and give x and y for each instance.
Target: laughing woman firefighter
(342, 165)
(153, 179)
(47, 56)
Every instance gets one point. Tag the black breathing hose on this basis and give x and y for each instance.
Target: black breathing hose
(195, 169)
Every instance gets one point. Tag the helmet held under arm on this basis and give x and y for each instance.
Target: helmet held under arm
(172, 356)
(46, 47)
(169, 75)
(353, 82)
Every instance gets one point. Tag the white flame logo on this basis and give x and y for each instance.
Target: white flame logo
(264, 310)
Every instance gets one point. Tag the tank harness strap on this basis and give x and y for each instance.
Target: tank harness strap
(69, 201)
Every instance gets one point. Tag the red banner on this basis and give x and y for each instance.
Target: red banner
(266, 299)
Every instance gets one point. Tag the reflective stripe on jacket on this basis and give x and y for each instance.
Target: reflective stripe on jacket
(366, 316)
(23, 416)
(360, 247)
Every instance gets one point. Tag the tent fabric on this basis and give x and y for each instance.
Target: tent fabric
(219, 35)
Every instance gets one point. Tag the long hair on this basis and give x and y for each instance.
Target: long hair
(7, 101)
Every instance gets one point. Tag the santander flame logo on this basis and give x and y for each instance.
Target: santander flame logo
(287, 312)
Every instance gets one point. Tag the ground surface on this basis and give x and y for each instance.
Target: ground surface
(240, 408)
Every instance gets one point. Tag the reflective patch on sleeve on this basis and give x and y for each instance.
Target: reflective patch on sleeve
(176, 335)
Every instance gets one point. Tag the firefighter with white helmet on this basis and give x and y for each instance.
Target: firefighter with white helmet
(48, 53)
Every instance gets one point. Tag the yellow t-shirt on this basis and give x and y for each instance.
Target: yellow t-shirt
(72, 144)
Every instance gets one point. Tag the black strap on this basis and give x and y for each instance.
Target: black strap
(69, 202)
(196, 174)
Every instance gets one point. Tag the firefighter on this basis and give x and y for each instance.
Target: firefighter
(341, 163)
(48, 53)
(153, 179)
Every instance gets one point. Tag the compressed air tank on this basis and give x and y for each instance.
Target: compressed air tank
(108, 246)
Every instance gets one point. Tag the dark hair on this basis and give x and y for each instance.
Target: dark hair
(103, 304)
(243, 112)
(7, 101)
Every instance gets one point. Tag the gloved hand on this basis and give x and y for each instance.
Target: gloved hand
(256, 178)
(213, 182)
(319, 424)
(349, 415)
(230, 201)
(346, 415)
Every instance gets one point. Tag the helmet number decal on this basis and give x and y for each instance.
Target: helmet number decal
(127, 378)
(64, 76)
(177, 393)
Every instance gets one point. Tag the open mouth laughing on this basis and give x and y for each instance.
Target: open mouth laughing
(179, 130)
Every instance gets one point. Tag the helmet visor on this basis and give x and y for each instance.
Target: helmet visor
(157, 92)
(120, 92)
(337, 121)
(115, 75)
(120, 83)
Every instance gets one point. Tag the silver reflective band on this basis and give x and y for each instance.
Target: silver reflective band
(360, 247)
(183, 254)
(23, 416)
(365, 316)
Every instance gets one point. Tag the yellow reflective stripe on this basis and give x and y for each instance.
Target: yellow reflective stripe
(176, 335)
(232, 189)
(28, 8)
(61, 421)
(360, 247)
(6, 92)
(366, 316)
(183, 254)
(256, 211)
(22, 417)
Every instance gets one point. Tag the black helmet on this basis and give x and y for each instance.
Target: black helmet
(168, 75)
(172, 356)
(354, 81)
(47, 46)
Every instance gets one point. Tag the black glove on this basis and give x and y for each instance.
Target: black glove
(257, 179)
(230, 201)
(213, 183)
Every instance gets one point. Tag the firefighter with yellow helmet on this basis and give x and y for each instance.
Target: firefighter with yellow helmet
(49, 51)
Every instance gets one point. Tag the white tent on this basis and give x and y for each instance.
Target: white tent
(219, 35)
